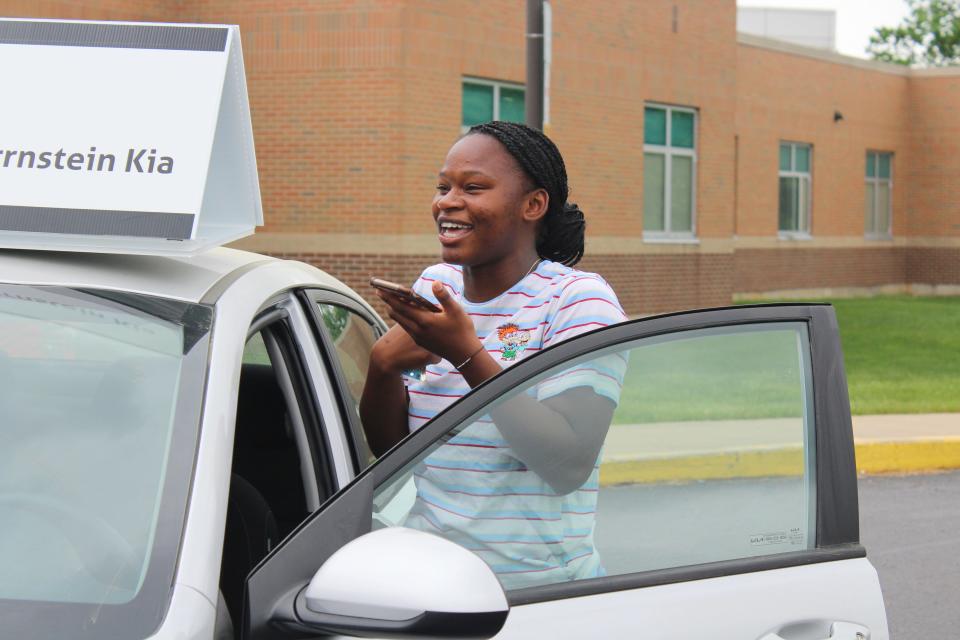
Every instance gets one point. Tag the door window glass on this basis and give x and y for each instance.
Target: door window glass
(353, 338)
(255, 351)
(667, 451)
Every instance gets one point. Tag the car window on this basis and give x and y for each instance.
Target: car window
(353, 337)
(100, 403)
(255, 351)
(668, 451)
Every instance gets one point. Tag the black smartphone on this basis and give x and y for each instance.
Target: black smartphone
(405, 293)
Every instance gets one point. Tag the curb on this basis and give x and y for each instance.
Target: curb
(873, 457)
(909, 456)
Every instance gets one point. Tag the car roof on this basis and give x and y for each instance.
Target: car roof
(181, 278)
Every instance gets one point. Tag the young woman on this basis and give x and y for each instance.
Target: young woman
(507, 289)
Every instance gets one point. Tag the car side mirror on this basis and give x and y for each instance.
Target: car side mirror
(404, 583)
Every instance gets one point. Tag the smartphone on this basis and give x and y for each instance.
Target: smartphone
(404, 293)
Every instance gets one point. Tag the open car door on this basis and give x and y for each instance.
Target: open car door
(720, 502)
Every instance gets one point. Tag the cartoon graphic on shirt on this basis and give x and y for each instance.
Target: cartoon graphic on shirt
(513, 340)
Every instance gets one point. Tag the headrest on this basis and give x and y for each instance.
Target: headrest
(261, 408)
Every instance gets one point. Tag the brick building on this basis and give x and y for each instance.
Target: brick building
(710, 164)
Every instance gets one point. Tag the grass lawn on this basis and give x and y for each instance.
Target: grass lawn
(902, 353)
(714, 376)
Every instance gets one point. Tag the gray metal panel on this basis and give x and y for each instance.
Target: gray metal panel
(119, 36)
(97, 222)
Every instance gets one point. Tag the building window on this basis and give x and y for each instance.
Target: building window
(794, 188)
(486, 100)
(669, 171)
(879, 201)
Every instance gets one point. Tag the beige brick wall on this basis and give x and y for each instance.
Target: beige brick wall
(933, 266)
(326, 97)
(932, 199)
(644, 284)
(785, 97)
(355, 102)
(756, 269)
(131, 10)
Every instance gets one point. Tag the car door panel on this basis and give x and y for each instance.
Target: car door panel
(747, 606)
(722, 580)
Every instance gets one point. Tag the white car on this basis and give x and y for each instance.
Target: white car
(181, 457)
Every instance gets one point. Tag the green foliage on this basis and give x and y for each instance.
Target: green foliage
(929, 36)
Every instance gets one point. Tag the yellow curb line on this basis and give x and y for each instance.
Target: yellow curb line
(905, 457)
(872, 457)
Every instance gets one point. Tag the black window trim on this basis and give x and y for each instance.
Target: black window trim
(275, 319)
(837, 518)
(310, 298)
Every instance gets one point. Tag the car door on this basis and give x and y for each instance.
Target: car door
(721, 501)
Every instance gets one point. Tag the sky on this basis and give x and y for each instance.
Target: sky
(856, 19)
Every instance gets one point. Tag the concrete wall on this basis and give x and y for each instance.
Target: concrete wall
(355, 103)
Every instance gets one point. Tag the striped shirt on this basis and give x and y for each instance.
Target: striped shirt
(473, 489)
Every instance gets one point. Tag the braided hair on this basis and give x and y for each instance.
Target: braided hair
(561, 232)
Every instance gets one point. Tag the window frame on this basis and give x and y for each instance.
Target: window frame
(497, 86)
(347, 515)
(311, 298)
(278, 322)
(876, 181)
(805, 180)
(668, 152)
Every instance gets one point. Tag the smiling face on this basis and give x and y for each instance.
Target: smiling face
(485, 208)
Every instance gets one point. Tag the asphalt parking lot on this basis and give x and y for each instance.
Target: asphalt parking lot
(910, 526)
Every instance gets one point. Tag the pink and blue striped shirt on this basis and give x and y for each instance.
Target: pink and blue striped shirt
(473, 489)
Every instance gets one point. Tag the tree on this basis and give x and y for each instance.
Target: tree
(929, 36)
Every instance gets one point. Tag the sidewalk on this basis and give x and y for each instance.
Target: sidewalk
(914, 443)
(684, 451)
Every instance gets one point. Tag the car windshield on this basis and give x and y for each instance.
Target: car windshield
(98, 401)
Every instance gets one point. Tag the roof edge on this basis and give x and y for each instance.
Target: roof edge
(822, 55)
(936, 72)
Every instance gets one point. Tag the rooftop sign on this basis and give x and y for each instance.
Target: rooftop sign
(124, 138)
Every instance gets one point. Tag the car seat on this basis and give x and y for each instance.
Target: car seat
(251, 532)
(265, 451)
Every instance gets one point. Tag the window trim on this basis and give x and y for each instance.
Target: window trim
(310, 298)
(804, 232)
(277, 322)
(668, 235)
(497, 85)
(675, 575)
(877, 181)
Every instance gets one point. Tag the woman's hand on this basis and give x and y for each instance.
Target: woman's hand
(449, 334)
(396, 351)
